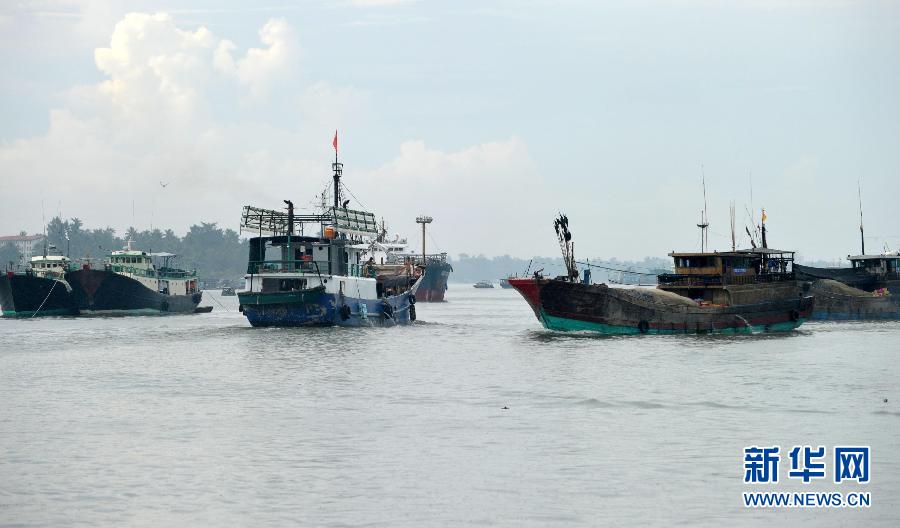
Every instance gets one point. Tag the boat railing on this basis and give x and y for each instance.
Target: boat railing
(163, 273)
(282, 266)
(702, 281)
(255, 267)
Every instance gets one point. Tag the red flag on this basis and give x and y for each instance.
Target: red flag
(334, 142)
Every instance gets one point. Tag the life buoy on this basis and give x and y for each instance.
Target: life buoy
(643, 326)
(345, 312)
(412, 299)
(795, 315)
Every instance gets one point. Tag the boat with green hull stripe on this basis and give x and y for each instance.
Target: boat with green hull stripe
(573, 325)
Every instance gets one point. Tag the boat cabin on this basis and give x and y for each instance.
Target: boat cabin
(699, 275)
(50, 265)
(883, 267)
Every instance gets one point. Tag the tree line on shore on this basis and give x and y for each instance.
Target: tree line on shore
(221, 254)
(215, 253)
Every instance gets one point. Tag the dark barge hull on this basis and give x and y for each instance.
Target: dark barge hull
(27, 295)
(101, 292)
(567, 306)
(838, 302)
(434, 282)
(855, 277)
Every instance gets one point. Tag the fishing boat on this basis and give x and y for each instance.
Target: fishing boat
(743, 291)
(309, 270)
(40, 289)
(131, 283)
(484, 284)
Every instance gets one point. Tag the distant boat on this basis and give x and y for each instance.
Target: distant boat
(504, 283)
(484, 284)
(228, 292)
(392, 255)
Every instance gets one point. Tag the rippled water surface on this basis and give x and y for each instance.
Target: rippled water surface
(202, 420)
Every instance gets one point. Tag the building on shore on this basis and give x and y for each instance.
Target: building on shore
(27, 245)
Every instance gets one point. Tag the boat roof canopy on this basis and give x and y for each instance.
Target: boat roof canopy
(891, 256)
(742, 253)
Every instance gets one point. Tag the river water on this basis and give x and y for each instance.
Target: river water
(472, 416)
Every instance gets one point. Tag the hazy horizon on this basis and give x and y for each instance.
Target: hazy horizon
(490, 116)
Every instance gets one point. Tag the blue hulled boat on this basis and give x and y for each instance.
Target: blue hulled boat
(309, 269)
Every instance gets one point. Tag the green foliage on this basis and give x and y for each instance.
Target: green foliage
(216, 253)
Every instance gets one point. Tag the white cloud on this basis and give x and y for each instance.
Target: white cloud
(169, 108)
(492, 190)
(260, 67)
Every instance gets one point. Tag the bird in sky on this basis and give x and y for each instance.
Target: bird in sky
(164, 185)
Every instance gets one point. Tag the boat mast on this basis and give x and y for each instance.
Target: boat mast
(423, 220)
(338, 168)
(704, 222)
(733, 235)
(862, 238)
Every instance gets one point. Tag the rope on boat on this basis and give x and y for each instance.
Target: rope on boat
(45, 298)
(217, 302)
(616, 269)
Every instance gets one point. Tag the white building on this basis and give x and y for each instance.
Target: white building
(27, 245)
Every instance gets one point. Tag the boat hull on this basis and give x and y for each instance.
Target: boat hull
(27, 295)
(838, 302)
(434, 282)
(316, 307)
(567, 306)
(102, 292)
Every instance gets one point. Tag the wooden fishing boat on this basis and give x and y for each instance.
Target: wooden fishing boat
(745, 291)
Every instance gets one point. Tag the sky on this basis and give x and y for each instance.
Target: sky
(490, 116)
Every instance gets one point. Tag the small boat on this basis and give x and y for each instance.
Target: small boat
(744, 291)
(228, 292)
(484, 284)
(40, 289)
(504, 283)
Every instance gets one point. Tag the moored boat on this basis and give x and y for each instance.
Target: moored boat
(745, 291)
(38, 290)
(130, 283)
(484, 284)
